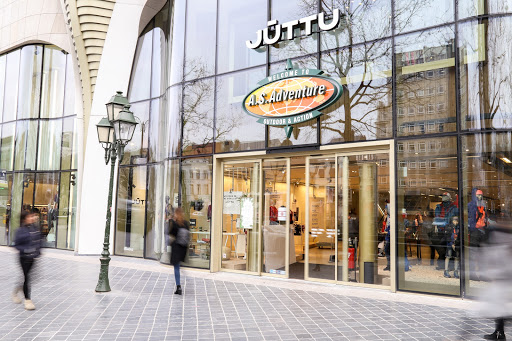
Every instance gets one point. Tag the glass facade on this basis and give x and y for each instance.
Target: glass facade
(38, 150)
(431, 77)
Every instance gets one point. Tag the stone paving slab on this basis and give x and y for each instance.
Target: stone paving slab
(215, 306)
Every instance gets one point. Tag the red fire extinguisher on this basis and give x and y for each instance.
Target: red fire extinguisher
(351, 255)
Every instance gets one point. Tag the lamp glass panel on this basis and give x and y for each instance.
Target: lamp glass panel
(103, 134)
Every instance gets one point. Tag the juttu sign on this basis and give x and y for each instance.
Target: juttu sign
(291, 96)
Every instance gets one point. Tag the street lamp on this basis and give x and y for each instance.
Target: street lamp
(114, 133)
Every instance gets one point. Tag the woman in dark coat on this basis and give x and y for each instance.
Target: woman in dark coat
(180, 230)
(28, 243)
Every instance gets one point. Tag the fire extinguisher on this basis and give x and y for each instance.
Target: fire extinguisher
(351, 255)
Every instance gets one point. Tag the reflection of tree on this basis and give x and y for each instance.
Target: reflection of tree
(198, 107)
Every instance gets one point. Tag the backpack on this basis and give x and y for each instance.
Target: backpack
(183, 236)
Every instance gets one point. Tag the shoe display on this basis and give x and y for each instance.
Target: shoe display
(178, 290)
(387, 268)
(447, 274)
(456, 274)
(29, 305)
(495, 336)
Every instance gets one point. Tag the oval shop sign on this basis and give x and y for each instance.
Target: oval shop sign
(290, 97)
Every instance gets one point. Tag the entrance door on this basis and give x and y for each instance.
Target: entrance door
(348, 221)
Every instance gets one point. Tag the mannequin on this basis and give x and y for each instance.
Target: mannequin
(443, 214)
(273, 211)
(477, 226)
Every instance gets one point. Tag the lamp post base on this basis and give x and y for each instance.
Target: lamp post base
(103, 283)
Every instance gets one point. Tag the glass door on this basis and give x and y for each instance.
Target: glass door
(364, 223)
(241, 214)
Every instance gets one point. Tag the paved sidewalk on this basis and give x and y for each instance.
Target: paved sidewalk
(219, 306)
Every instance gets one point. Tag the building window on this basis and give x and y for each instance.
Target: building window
(412, 164)
(422, 148)
(410, 128)
(410, 94)
(430, 108)
(431, 126)
(430, 74)
(421, 93)
(431, 91)
(440, 89)
(400, 147)
(440, 107)
(400, 112)
(411, 147)
(421, 109)
(411, 111)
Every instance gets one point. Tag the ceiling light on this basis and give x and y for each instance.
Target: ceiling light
(506, 160)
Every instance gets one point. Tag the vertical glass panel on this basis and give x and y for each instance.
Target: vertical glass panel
(46, 200)
(277, 220)
(136, 151)
(173, 114)
(176, 54)
(3, 59)
(67, 142)
(131, 208)
(360, 21)
(303, 133)
(240, 217)
(7, 149)
(363, 206)
(235, 130)
(50, 139)
(11, 88)
(364, 109)
(54, 75)
(18, 191)
(198, 117)
(298, 216)
(485, 71)
(469, 8)
(499, 6)
(415, 14)
(486, 171)
(155, 212)
(200, 39)
(5, 207)
(427, 187)
(26, 145)
(284, 11)
(322, 218)
(69, 98)
(64, 217)
(171, 200)
(196, 200)
(239, 22)
(140, 83)
(426, 82)
(160, 50)
(157, 130)
(30, 81)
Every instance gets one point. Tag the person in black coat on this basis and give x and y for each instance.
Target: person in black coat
(28, 242)
(180, 231)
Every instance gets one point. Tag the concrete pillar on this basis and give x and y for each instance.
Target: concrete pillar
(367, 228)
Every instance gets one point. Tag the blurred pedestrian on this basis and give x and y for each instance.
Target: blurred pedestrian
(452, 247)
(28, 243)
(180, 231)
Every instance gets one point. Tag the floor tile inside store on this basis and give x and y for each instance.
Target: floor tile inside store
(219, 306)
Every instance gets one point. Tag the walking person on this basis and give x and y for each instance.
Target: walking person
(28, 243)
(180, 231)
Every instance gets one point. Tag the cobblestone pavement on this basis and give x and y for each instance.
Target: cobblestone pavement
(218, 306)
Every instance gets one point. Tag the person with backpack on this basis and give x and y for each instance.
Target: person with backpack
(28, 243)
(180, 232)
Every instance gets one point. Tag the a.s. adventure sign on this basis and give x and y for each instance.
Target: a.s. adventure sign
(291, 96)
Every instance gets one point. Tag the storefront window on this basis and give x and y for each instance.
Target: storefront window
(131, 209)
(469, 8)
(237, 22)
(196, 200)
(136, 151)
(235, 130)
(140, 84)
(7, 149)
(46, 200)
(307, 62)
(2, 83)
(50, 139)
(364, 109)
(67, 212)
(486, 170)
(415, 14)
(155, 212)
(157, 130)
(160, 50)
(426, 82)
(171, 201)
(360, 21)
(303, 133)
(198, 117)
(68, 150)
(176, 54)
(5, 207)
(485, 86)
(30, 81)
(428, 205)
(54, 75)
(200, 39)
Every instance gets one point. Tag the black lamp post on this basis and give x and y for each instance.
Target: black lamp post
(114, 133)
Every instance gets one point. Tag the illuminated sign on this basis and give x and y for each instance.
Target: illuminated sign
(290, 97)
(274, 32)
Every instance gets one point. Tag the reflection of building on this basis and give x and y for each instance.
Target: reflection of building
(186, 71)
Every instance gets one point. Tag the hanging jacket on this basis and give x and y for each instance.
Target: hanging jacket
(477, 216)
